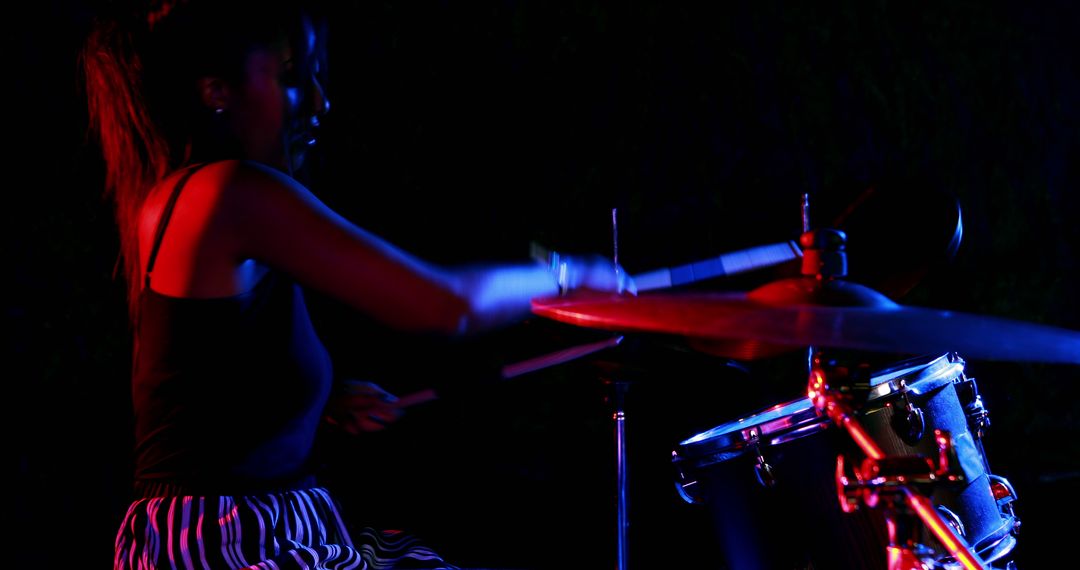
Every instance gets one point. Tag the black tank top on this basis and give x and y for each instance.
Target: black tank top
(227, 392)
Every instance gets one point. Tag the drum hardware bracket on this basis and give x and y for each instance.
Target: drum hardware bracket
(899, 484)
(890, 480)
(881, 479)
(909, 424)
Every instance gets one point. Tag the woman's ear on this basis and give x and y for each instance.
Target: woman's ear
(214, 93)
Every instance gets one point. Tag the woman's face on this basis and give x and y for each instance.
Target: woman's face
(278, 106)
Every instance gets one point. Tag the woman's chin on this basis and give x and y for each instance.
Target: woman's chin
(298, 154)
(293, 161)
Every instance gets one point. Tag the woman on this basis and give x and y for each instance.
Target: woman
(204, 111)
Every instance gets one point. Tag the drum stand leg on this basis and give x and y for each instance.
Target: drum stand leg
(903, 540)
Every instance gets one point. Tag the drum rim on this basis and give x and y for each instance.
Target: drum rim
(793, 419)
(906, 376)
(756, 427)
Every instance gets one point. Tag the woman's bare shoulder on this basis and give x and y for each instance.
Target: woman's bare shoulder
(247, 184)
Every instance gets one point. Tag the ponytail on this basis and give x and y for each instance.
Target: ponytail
(135, 153)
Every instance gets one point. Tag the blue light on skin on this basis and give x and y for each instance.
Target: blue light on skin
(302, 135)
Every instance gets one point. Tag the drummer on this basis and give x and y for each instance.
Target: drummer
(205, 113)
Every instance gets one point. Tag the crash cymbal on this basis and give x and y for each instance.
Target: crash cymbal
(804, 312)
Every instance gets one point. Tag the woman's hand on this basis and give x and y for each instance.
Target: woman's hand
(593, 272)
(362, 407)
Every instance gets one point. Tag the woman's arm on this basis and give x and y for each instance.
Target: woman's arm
(275, 220)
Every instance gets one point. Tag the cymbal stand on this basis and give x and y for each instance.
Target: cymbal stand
(619, 388)
(617, 379)
(890, 481)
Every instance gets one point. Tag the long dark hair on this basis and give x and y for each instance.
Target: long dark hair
(141, 69)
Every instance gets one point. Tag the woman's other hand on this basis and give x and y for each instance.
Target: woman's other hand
(362, 406)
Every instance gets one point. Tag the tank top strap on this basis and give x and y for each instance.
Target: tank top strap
(164, 221)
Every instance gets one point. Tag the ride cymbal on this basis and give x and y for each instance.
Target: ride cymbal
(793, 313)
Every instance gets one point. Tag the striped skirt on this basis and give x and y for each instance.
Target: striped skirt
(287, 530)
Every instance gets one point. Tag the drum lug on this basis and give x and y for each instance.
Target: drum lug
(1004, 494)
(910, 423)
(978, 417)
(686, 494)
(685, 485)
(952, 519)
(764, 473)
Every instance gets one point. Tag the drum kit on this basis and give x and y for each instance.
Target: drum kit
(883, 455)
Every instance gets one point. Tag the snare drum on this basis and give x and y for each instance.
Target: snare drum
(769, 479)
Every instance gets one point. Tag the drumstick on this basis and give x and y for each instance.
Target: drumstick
(518, 368)
(557, 357)
(418, 397)
(740, 261)
(731, 263)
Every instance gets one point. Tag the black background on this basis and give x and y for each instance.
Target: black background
(464, 131)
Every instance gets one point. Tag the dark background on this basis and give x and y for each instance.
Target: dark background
(464, 131)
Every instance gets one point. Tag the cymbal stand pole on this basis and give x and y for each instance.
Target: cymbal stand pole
(835, 404)
(621, 473)
(805, 212)
(619, 388)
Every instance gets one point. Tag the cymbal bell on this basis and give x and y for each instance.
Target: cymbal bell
(808, 312)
